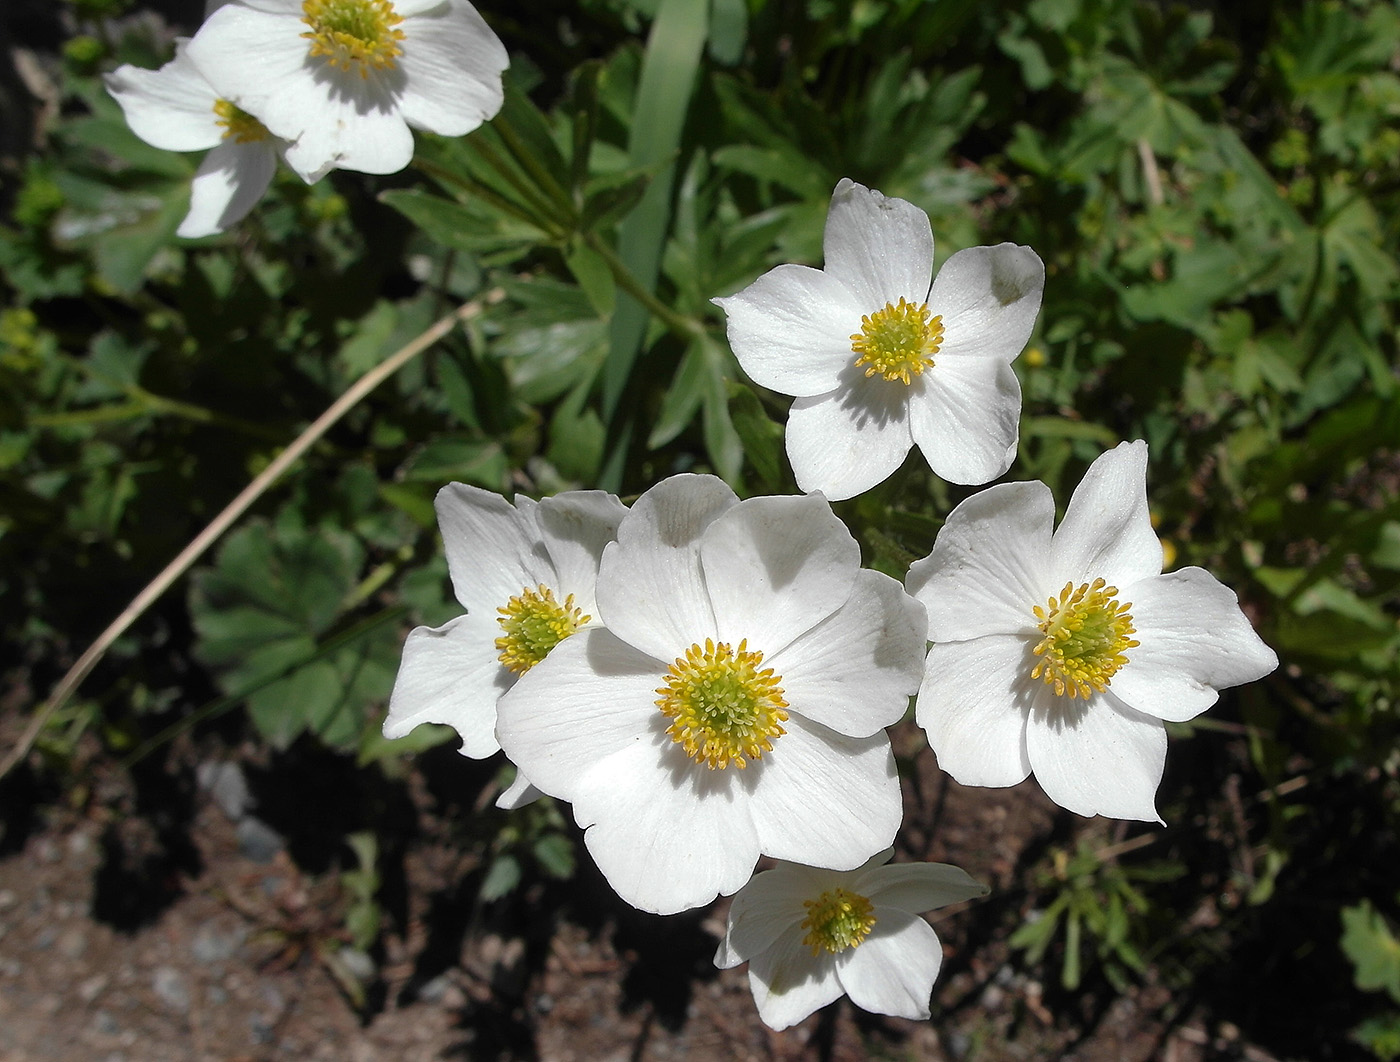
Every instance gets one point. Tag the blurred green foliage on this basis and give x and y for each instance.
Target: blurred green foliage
(1216, 195)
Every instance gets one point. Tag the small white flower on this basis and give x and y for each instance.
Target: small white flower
(880, 360)
(811, 936)
(735, 703)
(1061, 651)
(525, 573)
(176, 109)
(343, 80)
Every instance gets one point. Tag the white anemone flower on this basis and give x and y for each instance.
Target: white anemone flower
(342, 80)
(1062, 651)
(811, 936)
(879, 359)
(525, 573)
(176, 109)
(735, 702)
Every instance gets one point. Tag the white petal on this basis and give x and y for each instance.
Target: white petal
(351, 123)
(824, 799)
(493, 548)
(591, 696)
(988, 298)
(966, 419)
(229, 183)
(917, 887)
(575, 526)
(171, 108)
(256, 58)
(1107, 530)
(791, 329)
(1194, 642)
(330, 117)
(669, 834)
(764, 909)
(856, 671)
(776, 567)
(519, 793)
(789, 983)
(973, 704)
(892, 971)
(452, 65)
(846, 442)
(1097, 757)
(989, 566)
(450, 674)
(651, 591)
(879, 247)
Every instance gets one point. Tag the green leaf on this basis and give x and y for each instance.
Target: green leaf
(1372, 948)
(501, 877)
(555, 854)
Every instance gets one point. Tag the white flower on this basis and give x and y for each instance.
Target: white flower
(811, 936)
(176, 109)
(733, 706)
(878, 360)
(525, 574)
(343, 80)
(1062, 653)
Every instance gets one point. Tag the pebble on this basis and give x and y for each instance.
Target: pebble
(227, 786)
(106, 1024)
(45, 939)
(73, 943)
(169, 985)
(358, 963)
(7, 899)
(433, 991)
(210, 945)
(90, 989)
(258, 841)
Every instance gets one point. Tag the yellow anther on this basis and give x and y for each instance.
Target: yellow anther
(837, 920)
(898, 342)
(1086, 634)
(535, 622)
(354, 33)
(721, 706)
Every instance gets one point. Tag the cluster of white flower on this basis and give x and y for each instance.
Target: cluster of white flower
(321, 84)
(734, 667)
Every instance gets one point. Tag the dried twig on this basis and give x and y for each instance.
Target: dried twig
(221, 523)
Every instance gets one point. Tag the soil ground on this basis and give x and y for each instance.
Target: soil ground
(154, 924)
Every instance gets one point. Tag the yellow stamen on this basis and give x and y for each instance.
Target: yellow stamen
(899, 341)
(535, 622)
(354, 33)
(238, 123)
(722, 707)
(837, 920)
(1086, 635)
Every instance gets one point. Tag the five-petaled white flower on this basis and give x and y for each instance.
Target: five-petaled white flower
(1061, 651)
(810, 936)
(525, 574)
(342, 80)
(735, 702)
(176, 109)
(878, 360)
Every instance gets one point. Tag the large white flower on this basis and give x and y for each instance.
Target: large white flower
(880, 360)
(735, 703)
(1061, 651)
(811, 936)
(343, 80)
(525, 573)
(176, 109)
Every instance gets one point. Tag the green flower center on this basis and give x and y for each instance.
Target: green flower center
(898, 342)
(721, 706)
(1086, 632)
(535, 622)
(837, 920)
(353, 33)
